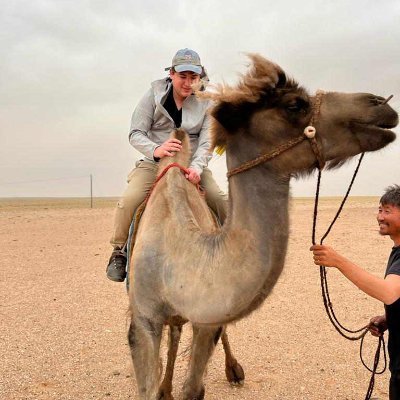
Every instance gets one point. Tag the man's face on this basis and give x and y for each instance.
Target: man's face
(388, 218)
(182, 83)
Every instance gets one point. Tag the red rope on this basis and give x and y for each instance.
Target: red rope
(164, 171)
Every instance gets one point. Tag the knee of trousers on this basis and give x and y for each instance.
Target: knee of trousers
(129, 203)
(217, 199)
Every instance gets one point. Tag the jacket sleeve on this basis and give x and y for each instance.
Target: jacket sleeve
(203, 153)
(141, 123)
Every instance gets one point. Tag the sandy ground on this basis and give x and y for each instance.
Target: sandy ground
(63, 324)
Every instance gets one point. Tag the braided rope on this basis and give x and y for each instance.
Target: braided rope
(314, 118)
(361, 332)
(262, 159)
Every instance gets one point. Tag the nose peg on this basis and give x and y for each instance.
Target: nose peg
(387, 100)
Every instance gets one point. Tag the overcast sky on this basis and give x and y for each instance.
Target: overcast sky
(71, 73)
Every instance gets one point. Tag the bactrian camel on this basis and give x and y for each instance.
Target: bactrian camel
(184, 268)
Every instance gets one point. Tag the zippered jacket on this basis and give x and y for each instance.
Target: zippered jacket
(151, 124)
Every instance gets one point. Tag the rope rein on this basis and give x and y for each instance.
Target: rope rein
(343, 331)
(163, 172)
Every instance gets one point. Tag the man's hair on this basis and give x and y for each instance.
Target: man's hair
(391, 196)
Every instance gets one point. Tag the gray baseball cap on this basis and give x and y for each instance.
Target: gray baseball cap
(186, 60)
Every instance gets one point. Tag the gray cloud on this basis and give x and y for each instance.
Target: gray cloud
(71, 73)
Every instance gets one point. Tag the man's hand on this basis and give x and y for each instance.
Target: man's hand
(377, 325)
(326, 256)
(192, 176)
(168, 148)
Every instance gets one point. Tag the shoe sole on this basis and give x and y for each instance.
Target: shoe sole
(115, 278)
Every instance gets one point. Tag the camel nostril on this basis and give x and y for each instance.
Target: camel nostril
(376, 100)
(379, 101)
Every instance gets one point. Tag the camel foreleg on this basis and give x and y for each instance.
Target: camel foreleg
(233, 370)
(144, 341)
(204, 341)
(165, 391)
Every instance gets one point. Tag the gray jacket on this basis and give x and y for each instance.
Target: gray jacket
(152, 125)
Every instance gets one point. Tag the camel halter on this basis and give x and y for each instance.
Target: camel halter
(309, 133)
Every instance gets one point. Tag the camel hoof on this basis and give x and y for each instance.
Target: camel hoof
(235, 374)
(199, 396)
(164, 395)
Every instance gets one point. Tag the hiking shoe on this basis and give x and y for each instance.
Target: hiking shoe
(116, 268)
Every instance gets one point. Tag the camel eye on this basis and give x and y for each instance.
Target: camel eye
(298, 106)
(293, 108)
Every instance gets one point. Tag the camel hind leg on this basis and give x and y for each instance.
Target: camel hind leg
(144, 339)
(233, 370)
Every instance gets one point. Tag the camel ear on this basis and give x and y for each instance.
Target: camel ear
(232, 116)
(281, 79)
(263, 74)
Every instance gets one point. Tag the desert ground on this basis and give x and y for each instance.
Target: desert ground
(63, 323)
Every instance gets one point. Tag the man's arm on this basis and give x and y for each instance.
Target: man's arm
(141, 123)
(386, 290)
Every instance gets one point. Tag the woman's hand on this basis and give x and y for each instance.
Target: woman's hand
(192, 176)
(168, 148)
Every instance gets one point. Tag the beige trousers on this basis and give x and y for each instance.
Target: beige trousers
(140, 181)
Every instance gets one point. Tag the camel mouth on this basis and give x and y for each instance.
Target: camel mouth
(386, 126)
(374, 136)
(382, 128)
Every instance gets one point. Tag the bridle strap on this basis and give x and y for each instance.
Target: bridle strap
(309, 133)
(314, 118)
(268, 156)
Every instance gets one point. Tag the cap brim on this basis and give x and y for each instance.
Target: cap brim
(197, 69)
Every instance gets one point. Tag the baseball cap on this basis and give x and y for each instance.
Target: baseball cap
(186, 60)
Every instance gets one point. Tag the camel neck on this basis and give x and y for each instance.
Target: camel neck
(259, 203)
(258, 223)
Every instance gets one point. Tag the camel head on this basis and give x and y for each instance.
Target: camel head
(267, 109)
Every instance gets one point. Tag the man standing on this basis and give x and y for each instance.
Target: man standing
(386, 290)
(169, 104)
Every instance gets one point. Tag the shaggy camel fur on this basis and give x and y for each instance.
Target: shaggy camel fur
(187, 269)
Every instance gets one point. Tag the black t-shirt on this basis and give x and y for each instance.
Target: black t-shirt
(393, 313)
(393, 266)
(172, 110)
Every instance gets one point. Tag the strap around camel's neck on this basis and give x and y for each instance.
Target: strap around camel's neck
(309, 133)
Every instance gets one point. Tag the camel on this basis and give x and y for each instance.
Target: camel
(185, 268)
